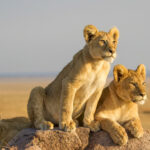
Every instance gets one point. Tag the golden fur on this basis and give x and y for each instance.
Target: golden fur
(78, 86)
(117, 109)
(10, 127)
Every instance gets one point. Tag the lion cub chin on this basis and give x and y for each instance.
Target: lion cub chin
(117, 109)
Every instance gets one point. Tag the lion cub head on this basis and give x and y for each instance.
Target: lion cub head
(130, 84)
(102, 45)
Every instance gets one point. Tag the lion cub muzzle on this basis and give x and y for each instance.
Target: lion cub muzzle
(140, 99)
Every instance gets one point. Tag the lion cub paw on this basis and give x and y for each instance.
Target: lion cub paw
(137, 132)
(68, 126)
(45, 125)
(135, 128)
(120, 136)
(94, 126)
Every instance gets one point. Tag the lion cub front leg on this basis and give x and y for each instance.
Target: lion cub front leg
(66, 107)
(91, 105)
(115, 130)
(134, 127)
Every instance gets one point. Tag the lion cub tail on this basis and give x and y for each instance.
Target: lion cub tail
(10, 127)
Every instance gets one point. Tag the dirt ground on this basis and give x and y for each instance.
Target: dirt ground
(14, 94)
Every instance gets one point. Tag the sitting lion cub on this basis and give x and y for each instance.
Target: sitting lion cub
(117, 109)
(78, 86)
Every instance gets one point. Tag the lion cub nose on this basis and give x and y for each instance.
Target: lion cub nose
(142, 94)
(111, 51)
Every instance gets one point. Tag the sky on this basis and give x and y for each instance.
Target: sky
(41, 36)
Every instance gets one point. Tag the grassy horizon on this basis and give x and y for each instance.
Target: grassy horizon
(14, 94)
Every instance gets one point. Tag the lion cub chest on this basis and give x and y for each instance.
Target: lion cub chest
(93, 81)
(128, 112)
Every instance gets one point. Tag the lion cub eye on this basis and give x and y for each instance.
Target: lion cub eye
(144, 83)
(132, 83)
(102, 42)
(114, 42)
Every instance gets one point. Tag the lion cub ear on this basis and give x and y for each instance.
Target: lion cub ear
(90, 32)
(114, 32)
(119, 72)
(141, 70)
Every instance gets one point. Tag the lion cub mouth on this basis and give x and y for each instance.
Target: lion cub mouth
(109, 59)
(140, 101)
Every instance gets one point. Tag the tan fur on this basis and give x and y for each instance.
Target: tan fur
(117, 109)
(10, 127)
(78, 86)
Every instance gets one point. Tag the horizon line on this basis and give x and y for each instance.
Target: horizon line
(40, 74)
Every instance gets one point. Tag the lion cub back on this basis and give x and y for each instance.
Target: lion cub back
(10, 127)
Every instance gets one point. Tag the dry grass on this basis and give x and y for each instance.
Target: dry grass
(14, 95)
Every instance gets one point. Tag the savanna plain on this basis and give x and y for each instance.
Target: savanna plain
(14, 94)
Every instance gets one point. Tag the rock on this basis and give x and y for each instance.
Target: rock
(31, 139)
(102, 141)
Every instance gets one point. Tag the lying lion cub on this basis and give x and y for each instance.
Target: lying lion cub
(78, 86)
(117, 109)
(10, 127)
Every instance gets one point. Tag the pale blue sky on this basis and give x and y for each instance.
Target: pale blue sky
(43, 35)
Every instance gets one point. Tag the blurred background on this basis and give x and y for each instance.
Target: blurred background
(38, 38)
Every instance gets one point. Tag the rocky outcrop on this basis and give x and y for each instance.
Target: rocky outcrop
(102, 141)
(31, 139)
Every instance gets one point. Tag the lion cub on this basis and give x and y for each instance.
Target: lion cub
(10, 127)
(78, 86)
(117, 108)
